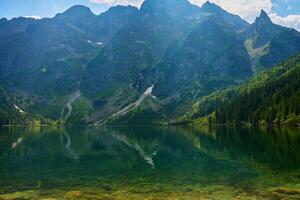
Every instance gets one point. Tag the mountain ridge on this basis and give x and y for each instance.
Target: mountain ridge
(183, 50)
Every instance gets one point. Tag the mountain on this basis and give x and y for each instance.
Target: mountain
(263, 30)
(81, 19)
(271, 97)
(210, 52)
(211, 57)
(268, 43)
(57, 51)
(171, 8)
(135, 49)
(115, 19)
(28, 44)
(210, 9)
(281, 47)
(82, 68)
(11, 113)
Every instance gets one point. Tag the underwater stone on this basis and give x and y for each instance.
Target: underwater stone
(19, 195)
(287, 191)
(107, 187)
(72, 195)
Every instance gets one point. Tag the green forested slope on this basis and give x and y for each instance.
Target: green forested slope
(271, 97)
(12, 114)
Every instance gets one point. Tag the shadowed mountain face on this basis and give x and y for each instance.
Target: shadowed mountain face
(284, 44)
(183, 50)
(27, 43)
(263, 30)
(269, 39)
(211, 51)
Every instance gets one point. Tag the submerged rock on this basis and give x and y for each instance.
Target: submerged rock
(19, 195)
(72, 195)
(287, 191)
(107, 187)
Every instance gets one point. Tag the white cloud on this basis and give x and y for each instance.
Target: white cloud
(33, 17)
(119, 2)
(250, 9)
(292, 21)
(247, 9)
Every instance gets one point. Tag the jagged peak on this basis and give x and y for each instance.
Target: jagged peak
(263, 17)
(207, 3)
(263, 13)
(208, 6)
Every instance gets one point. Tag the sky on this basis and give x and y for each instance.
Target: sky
(284, 12)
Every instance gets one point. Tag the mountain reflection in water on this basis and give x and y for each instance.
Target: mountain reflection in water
(154, 162)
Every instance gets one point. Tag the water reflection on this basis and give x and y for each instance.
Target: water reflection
(65, 139)
(132, 143)
(205, 161)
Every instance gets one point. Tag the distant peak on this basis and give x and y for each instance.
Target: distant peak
(263, 14)
(210, 7)
(78, 9)
(169, 7)
(165, 3)
(263, 17)
(3, 19)
(207, 3)
(121, 8)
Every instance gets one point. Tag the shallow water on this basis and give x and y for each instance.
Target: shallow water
(149, 163)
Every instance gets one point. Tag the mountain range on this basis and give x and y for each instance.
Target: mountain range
(131, 65)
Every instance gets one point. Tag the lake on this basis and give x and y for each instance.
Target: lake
(149, 163)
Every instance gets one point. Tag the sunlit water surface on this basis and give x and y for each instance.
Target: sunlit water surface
(149, 163)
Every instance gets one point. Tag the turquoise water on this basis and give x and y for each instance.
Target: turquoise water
(149, 163)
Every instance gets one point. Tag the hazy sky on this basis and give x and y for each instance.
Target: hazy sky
(285, 12)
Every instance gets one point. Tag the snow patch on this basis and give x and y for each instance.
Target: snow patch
(95, 43)
(149, 90)
(130, 107)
